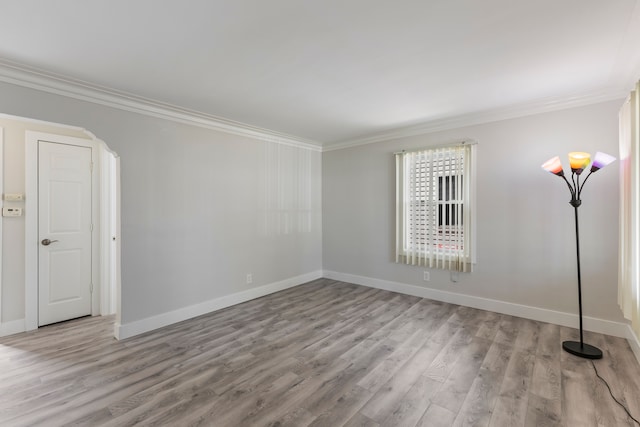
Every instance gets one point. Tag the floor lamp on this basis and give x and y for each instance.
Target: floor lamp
(579, 162)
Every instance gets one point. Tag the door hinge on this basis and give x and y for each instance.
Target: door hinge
(91, 287)
(91, 166)
(91, 227)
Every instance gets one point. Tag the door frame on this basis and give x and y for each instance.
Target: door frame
(100, 212)
(1, 217)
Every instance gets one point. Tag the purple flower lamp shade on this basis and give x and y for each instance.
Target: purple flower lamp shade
(601, 160)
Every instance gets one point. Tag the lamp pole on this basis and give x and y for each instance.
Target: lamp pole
(580, 348)
(575, 209)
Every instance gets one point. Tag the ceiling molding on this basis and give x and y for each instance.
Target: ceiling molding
(511, 112)
(21, 75)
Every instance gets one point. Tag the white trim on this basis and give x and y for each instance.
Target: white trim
(31, 236)
(1, 217)
(511, 112)
(21, 75)
(535, 313)
(12, 327)
(634, 342)
(105, 253)
(118, 250)
(137, 327)
(46, 123)
(107, 279)
(31, 220)
(457, 143)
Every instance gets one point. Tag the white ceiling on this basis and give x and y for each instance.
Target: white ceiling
(334, 70)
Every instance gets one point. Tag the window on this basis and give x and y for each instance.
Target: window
(434, 207)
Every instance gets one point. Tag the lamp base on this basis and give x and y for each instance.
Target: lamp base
(582, 350)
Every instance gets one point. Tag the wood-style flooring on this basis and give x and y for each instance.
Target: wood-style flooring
(325, 353)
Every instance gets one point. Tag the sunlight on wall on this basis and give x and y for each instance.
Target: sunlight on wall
(287, 191)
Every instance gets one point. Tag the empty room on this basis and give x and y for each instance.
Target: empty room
(305, 213)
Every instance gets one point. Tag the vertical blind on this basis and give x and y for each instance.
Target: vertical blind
(629, 261)
(434, 207)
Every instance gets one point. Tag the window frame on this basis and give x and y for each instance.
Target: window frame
(449, 197)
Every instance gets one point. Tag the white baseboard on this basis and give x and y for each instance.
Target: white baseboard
(602, 326)
(634, 342)
(122, 331)
(12, 327)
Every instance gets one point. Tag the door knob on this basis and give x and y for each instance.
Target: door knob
(47, 242)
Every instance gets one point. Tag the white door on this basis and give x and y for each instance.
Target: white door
(64, 230)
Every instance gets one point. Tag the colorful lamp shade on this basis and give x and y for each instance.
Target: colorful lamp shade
(554, 166)
(601, 160)
(579, 160)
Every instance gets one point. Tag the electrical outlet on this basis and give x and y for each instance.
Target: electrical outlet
(11, 211)
(427, 276)
(249, 278)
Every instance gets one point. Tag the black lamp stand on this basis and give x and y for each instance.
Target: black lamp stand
(574, 347)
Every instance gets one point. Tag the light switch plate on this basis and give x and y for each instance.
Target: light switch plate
(13, 197)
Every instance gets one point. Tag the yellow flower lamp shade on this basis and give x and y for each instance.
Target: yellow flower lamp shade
(579, 160)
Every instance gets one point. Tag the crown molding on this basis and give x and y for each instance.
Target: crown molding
(21, 75)
(89, 134)
(511, 112)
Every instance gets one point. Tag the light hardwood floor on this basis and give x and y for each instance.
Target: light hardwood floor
(322, 354)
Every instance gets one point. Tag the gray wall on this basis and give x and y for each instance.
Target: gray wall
(200, 208)
(525, 228)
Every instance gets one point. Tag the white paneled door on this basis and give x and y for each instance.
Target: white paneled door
(64, 230)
